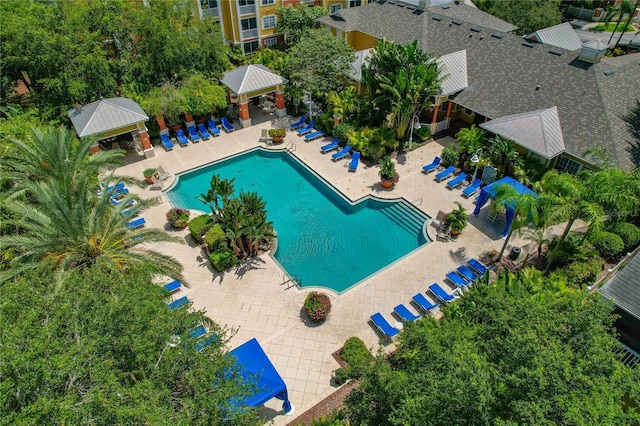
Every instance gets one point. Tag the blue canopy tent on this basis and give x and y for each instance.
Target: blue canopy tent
(489, 191)
(253, 364)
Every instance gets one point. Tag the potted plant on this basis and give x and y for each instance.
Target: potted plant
(318, 306)
(149, 174)
(388, 173)
(277, 134)
(457, 219)
(178, 217)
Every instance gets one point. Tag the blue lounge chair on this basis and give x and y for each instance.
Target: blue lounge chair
(431, 167)
(182, 139)
(441, 293)
(114, 201)
(341, 154)
(166, 142)
(307, 129)
(138, 223)
(112, 187)
(202, 344)
(383, 326)
(467, 273)
(198, 332)
(477, 266)
(457, 280)
(472, 189)
(314, 135)
(355, 160)
(226, 125)
(213, 129)
(445, 173)
(405, 314)
(424, 303)
(173, 286)
(331, 146)
(195, 137)
(179, 303)
(454, 183)
(203, 132)
(298, 124)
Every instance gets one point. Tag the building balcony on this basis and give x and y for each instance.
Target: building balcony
(213, 12)
(247, 9)
(249, 33)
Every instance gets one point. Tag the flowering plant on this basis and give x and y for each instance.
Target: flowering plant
(178, 217)
(318, 306)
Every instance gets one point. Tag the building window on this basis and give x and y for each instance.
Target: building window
(247, 2)
(270, 42)
(268, 22)
(208, 4)
(565, 164)
(354, 3)
(334, 8)
(249, 24)
(250, 47)
(468, 112)
(267, 2)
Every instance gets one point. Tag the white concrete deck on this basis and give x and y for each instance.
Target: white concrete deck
(253, 300)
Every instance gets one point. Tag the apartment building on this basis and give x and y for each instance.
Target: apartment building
(252, 23)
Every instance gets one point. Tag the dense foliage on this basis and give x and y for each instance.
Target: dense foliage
(297, 22)
(522, 351)
(92, 347)
(527, 15)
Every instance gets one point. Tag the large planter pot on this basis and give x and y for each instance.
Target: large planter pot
(387, 183)
(277, 139)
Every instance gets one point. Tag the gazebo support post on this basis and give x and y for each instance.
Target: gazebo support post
(147, 148)
(281, 110)
(95, 148)
(245, 119)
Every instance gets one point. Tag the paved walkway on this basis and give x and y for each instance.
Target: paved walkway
(254, 301)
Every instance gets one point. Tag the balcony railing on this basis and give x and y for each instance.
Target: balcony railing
(211, 13)
(250, 33)
(247, 9)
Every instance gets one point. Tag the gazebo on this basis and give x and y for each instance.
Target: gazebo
(250, 81)
(489, 192)
(112, 117)
(254, 365)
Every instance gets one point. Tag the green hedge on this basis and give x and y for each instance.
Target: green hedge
(356, 354)
(198, 226)
(222, 259)
(580, 274)
(215, 238)
(629, 233)
(608, 244)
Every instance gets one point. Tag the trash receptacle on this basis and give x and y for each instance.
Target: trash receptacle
(515, 253)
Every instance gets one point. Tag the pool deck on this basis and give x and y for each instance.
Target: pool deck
(255, 300)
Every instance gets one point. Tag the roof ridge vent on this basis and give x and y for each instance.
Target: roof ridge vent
(445, 6)
(456, 22)
(497, 35)
(436, 18)
(556, 52)
(527, 44)
(475, 29)
(608, 72)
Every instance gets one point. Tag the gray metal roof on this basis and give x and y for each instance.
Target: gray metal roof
(596, 44)
(624, 288)
(106, 115)
(503, 75)
(562, 35)
(251, 78)
(538, 131)
(454, 70)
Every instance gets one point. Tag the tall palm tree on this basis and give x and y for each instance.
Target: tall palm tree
(71, 227)
(525, 206)
(630, 11)
(625, 7)
(565, 198)
(504, 156)
(219, 192)
(56, 153)
(618, 192)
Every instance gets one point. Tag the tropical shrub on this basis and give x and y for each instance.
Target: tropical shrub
(579, 274)
(457, 220)
(223, 259)
(179, 218)
(340, 131)
(357, 356)
(215, 238)
(423, 133)
(608, 244)
(340, 376)
(318, 306)
(198, 226)
(629, 233)
(450, 155)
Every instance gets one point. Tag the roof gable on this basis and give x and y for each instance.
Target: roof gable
(538, 131)
(561, 35)
(251, 78)
(454, 70)
(624, 288)
(106, 115)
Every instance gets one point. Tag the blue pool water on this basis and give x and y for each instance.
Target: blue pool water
(323, 240)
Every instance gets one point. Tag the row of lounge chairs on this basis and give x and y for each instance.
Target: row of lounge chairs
(455, 182)
(196, 134)
(461, 278)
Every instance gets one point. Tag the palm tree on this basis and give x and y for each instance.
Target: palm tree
(343, 104)
(504, 156)
(470, 140)
(625, 8)
(565, 198)
(627, 22)
(536, 235)
(56, 153)
(618, 192)
(525, 207)
(71, 227)
(219, 192)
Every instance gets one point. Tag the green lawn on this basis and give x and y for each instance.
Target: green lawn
(611, 26)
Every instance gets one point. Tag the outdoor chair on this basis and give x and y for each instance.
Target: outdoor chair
(226, 125)
(445, 173)
(203, 132)
(477, 266)
(195, 137)
(213, 129)
(454, 183)
(457, 280)
(166, 142)
(424, 303)
(173, 286)
(405, 314)
(298, 124)
(314, 135)
(355, 160)
(182, 139)
(341, 154)
(431, 167)
(179, 303)
(442, 294)
(386, 329)
(331, 146)
(472, 189)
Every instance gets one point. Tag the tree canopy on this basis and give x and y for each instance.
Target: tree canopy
(527, 15)
(522, 351)
(297, 22)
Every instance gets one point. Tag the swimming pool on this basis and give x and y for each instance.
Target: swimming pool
(323, 239)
